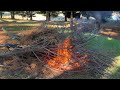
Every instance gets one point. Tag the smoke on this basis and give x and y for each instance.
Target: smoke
(100, 16)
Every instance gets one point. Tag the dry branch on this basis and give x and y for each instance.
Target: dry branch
(20, 51)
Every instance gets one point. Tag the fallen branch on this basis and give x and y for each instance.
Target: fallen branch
(20, 51)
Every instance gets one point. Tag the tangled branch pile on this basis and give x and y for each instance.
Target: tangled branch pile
(36, 44)
(45, 44)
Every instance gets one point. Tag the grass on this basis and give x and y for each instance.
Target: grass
(111, 48)
(18, 28)
(105, 45)
(18, 25)
(13, 21)
(113, 72)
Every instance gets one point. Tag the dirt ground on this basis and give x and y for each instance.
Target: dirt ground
(3, 37)
(111, 30)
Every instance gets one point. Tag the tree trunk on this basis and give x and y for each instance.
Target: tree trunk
(47, 16)
(27, 14)
(30, 15)
(1, 14)
(71, 20)
(12, 15)
(23, 15)
(65, 16)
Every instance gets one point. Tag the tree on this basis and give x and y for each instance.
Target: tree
(54, 13)
(21, 13)
(28, 14)
(65, 14)
(31, 14)
(47, 15)
(1, 13)
(12, 14)
(71, 23)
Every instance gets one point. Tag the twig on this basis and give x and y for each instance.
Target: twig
(44, 64)
(98, 57)
(5, 66)
(53, 52)
(37, 56)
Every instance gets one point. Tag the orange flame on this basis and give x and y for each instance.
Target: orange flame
(64, 55)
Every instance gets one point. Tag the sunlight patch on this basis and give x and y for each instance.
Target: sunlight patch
(118, 57)
(113, 69)
(9, 20)
(109, 38)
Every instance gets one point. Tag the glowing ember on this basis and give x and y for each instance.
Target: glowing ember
(63, 60)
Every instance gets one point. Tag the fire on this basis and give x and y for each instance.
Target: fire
(63, 60)
(63, 56)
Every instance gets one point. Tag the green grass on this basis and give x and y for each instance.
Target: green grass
(14, 21)
(18, 24)
(113, 72)
(111, 48)
(18, 28)
(105, 45)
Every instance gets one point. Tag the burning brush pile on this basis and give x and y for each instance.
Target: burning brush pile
(45, 53)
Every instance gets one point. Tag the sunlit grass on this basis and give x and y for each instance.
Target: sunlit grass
(110, 38)
(110, 48)
(27, 24)
(105, 44)
(17, 21)
(18, 28)
(118, 57)
(113, 72)
(9, 20)
(58, 26)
